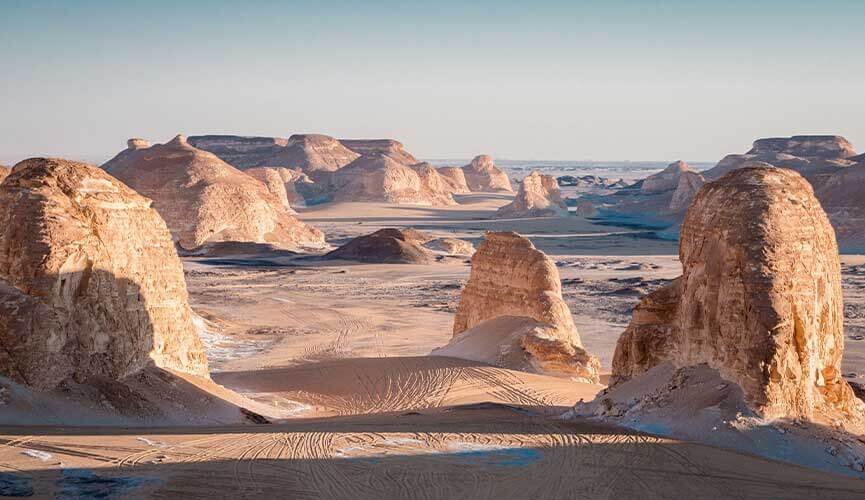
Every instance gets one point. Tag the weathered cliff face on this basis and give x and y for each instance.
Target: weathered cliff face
(282, 183)
(388, 246)
(665, 180)
(511, 278)
(482, 175)
(383, 179)
(374, 147)
(689, 184)
(309, 153)
(90, 283)
(760, 296)
(204, 200)
(538, 196)
(805, 146)
(455, 178)
(239, 151)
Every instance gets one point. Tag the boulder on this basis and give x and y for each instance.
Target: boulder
(205, 200)
(389, 147)
(90, 283)
(482, 175)
(538, 196)
(759, 299)
(386, 246)
(511, 278)
(689, 184)
(240, 151)
(665, 180)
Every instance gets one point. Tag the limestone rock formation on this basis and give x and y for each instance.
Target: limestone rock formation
(240, 151)
(383, 179)
(455, 178)
(759, 298)
(451, 246)
(283, 183)
(373, 147)
(310, 153)
(511, 278)
(538, 196)
(482, 175)
(665, 180)
(90, 283)
(386, 246)
(689, 184)
(204, 200)
(830, 146)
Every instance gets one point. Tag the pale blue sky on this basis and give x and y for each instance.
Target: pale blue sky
(575, 80)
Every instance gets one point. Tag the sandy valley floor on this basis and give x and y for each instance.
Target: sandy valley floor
(337, 352)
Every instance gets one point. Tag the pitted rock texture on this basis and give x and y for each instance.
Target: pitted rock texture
(380, 178)
(510, 277)
(240, 151)
(455, 178)
(204, 200)
(689, 184)
(538, 196)
(388, 147)
(665, 180)
(90, 283)
(760, 296)
(387, 246)
(482, 175)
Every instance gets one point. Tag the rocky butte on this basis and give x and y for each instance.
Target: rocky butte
(538, 196)
(482, 175)
(205, 200)
(90, 283)
(511, 313)
(759, 299)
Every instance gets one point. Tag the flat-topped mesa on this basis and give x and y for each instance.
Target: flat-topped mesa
(759, 299)
(518, 287)
(205, 200)
(380, 178)
(386, 246)
(240, 151)
(538, 196)
(482, 175)
(689, 184)
(665, 180)
(312, 153)
(90, 282)
(805, 146)
(455, 178)
(389, 147)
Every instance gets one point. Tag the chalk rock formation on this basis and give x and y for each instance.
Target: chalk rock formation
(4, 172)
(204, 200)
(760, 297)
(689, 184)
(282, 183)
(828, 146)
(386, 246)
(665, 180)
(538, 196)
(482, 175)
(451, 246)
(387, 147)
(455, 178)
(90, 283)
(381, 178)
(310, 153)
(511, 278)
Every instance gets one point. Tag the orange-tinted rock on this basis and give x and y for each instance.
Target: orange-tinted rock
(482, 175)
(4, 172)
(665, 180)
(538, 196)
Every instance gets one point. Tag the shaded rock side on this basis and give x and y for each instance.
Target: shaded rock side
(386, 246)
(538, 196)
(90, 283)
(205, 200)
(455, 178)
(482, 175)
(4, 172)
(282, 183)
(510, 277)
(689, 184)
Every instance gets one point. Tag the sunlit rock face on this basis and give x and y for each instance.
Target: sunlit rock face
(665, 180)
(4, 172)
(90, 283)
(538, 196)
(205, 200)
(759, 298)
(282, 183)
(388, 147)
(482, 175)
(387, 246)
(686, 189)
(456, 178)
(511, 278)
(380, 178)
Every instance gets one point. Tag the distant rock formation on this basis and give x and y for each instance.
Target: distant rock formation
(584, 208)
(90, 283)
(689, 184)
(388, 147)
(455, 178)
(518, 287)
(665, 180)
(482, 175)
(309, 153)
(381, 178)
(283, 183)
(829, 146)
(386, 246)
(538, 196)
(204, 200)
(451, 246)
(591, 181)
(759, 299)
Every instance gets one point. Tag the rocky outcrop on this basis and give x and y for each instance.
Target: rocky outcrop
(386, 246)
(283, 183)
(689, 184)
(805, 146)
(239, 151)
(380, 178)
(482, 175)
(759, 297)
(309, 153)
(90, 283)
(538, 196)
(204, 200)
(455, 178)
(388, 147)
(434, 187)
(511, 278)
(451, 246)
(665, 180)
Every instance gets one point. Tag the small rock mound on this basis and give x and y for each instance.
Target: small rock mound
(451, 246)
(388, 147)
(759, 299)
(386, 246)
(538, 196)
(689, 184)
(455, 178)
(665, 180)
(482, 175)
(205, 200)
(90, 283)
(511, 278)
